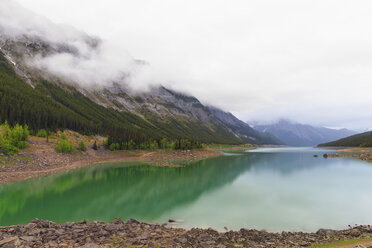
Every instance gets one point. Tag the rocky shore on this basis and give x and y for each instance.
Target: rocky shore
(363, 156)
(41, 233)
(362, 153)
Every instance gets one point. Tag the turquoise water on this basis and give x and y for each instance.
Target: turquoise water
(269, 188)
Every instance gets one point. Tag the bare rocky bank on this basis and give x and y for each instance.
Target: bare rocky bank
(41, 233)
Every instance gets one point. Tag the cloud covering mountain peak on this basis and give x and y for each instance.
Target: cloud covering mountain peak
(69, 52)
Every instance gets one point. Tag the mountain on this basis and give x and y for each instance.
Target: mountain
(295, 134)
(360, 140)
(242, 129)
(43, 98)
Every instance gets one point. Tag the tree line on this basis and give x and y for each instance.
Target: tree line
(120, 143)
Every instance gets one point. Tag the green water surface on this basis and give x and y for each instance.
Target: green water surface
(273, 189)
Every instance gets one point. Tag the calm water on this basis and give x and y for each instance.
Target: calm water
(273, 189)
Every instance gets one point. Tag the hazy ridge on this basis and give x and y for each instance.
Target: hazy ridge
(296, 134)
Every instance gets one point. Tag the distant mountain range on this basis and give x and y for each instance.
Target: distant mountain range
(296, 134)
(360, 140)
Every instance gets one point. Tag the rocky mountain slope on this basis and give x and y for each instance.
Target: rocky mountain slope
(242, 129)
(159, 112)
(296, 134)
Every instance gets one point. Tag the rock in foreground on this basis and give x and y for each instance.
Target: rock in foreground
(40, 233)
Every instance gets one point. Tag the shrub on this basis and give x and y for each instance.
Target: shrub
(131, 145)
(18, 136)
(112, 147)
(82, 146)
(63, 146)
(63, 136)
(5, 129)
(154, 145)
(21, 144)
(6, 147)
(164, 143)
(42, 133)
(13, 139)
(95, 147)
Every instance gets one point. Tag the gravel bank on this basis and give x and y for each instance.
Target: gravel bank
(40, 233)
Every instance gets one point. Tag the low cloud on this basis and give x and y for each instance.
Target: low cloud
(73, 55)
(309, 61)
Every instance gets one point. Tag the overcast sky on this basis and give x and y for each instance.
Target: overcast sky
(310, 61)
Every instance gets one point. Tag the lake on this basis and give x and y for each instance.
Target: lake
(268, 188)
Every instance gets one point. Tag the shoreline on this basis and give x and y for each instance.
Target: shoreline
(132, 233)
(40, 159)
(361, 153)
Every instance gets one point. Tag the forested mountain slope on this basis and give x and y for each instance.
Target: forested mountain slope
(358, 140)
(43, 100)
